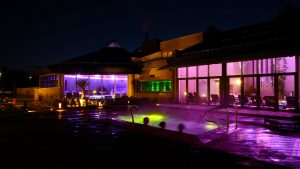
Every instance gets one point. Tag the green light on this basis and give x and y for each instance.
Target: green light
(156, 86)
(155, 119)
(210, 126)
(152, 86)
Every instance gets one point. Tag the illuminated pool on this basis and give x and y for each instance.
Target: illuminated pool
(192, 119)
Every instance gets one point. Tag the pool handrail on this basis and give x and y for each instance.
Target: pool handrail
(131, 108)
(215, 109)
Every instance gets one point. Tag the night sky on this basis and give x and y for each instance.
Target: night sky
(39, 33)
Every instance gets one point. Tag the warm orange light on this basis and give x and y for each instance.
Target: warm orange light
(238, 82)
(59, 105)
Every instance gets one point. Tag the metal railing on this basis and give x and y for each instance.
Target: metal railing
(132, 108)
(227, 120)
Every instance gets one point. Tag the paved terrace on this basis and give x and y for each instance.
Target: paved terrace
(254, 139)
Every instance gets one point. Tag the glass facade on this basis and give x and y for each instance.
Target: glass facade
(264, 83)
(202, 86)
(250, 92)
(49, 81)
(193, 88)
(182, 91)
(234, 90)
(96, 86)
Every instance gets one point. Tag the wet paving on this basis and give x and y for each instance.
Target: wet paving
(79, 139)
(252, 141)
(262, 144)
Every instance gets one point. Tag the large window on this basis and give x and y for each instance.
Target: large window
(248, 67)
(199, 76)
(234, 68)
(191, 93)
(182, 72)
(286, 92)
(250, 92)
(215, 70)
(49, 81)
(156, 86)
(182, 91)
(285, 64)
(252, 83)
(192, 71)
(202, 86)
(215, 91)
(96, 86)
(267, 92)
(235, 90)
(203, 71)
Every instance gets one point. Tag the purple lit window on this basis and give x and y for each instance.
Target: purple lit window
(234, 68)
(192, 71)
(182, 91)
(98, 86)
(248, 67)
(192, 86)
(182, 72)
(203, 71)
(202, 86)
(215, 70)
(285, 64)
(267, 92)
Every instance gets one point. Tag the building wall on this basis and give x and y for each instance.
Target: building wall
(153, 66)
(27, 92)
(151, 72)
(47, 94)
(159, 97)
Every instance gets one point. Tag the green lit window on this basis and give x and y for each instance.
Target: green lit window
(156, 86)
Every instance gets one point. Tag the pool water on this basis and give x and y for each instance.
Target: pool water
(192, 120)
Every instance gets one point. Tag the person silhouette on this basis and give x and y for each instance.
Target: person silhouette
(162, 125)
(146, 120)
(181, 127)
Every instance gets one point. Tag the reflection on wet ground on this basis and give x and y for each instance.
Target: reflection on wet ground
(252, 141)
(262, 144)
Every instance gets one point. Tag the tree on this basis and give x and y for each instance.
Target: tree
(82, 84)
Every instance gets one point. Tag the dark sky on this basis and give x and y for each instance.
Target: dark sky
(39, 33)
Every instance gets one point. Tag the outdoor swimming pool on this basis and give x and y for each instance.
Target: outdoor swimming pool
(193, 120)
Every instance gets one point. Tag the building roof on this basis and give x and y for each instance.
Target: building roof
(277, 37)
(111, 59)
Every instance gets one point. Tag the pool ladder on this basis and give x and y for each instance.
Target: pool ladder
(132, 108)
(227, 120)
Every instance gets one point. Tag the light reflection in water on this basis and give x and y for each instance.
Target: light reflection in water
(296, 148)
(192, 125)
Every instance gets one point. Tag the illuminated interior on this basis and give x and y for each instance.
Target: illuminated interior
(97, 86)
(264, 83)
(156, 86)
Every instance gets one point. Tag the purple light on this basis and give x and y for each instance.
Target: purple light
(105, 77)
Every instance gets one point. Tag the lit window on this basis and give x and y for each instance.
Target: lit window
(192, 71)
(49, 81)
(215, 70)
(203, 71)
(156, 86)
(234, 68)
(182, 72)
